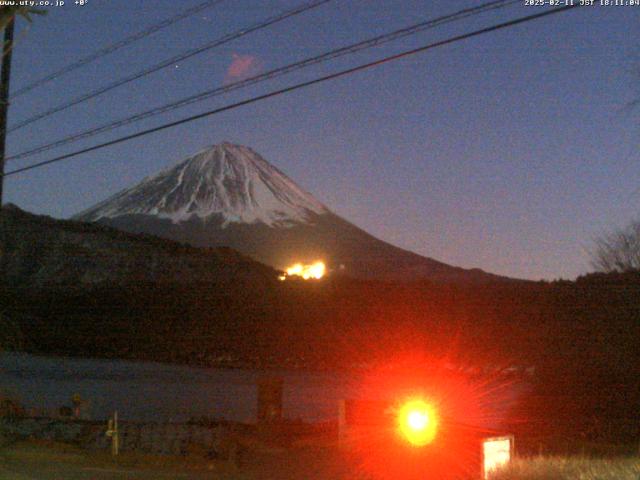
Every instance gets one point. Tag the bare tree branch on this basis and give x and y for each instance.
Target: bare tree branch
(618, 251)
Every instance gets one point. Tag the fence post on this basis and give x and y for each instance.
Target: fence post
(112, 431)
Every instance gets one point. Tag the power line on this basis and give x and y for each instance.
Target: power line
(298, 86)
(173, 60)
(330, 55)
(117, 46)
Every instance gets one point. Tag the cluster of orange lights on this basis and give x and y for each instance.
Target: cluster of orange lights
(315, 270)
(417, 422)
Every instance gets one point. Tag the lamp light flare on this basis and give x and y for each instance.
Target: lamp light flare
(417, 422)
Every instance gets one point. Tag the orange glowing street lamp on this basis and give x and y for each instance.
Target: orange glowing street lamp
(421, 419)
(417, 422)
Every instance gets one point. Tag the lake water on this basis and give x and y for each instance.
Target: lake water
(147, 391)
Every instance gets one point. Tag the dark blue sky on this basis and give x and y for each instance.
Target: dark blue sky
(507, 152)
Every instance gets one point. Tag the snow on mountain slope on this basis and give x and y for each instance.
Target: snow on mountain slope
(226, 180)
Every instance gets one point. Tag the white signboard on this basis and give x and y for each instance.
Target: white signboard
(496, 452)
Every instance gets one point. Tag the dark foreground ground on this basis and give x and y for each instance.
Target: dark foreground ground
(42, 461)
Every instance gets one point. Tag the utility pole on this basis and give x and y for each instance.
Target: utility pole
(4, 94)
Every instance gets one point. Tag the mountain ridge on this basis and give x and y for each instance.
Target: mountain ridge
(228, 195)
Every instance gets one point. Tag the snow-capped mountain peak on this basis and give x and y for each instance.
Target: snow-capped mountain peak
(224, 180)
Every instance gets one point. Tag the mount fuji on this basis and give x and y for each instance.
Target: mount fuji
(228, 195)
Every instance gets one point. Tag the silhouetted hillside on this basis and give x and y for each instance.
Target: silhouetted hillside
(38, 251)
(214, 307)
